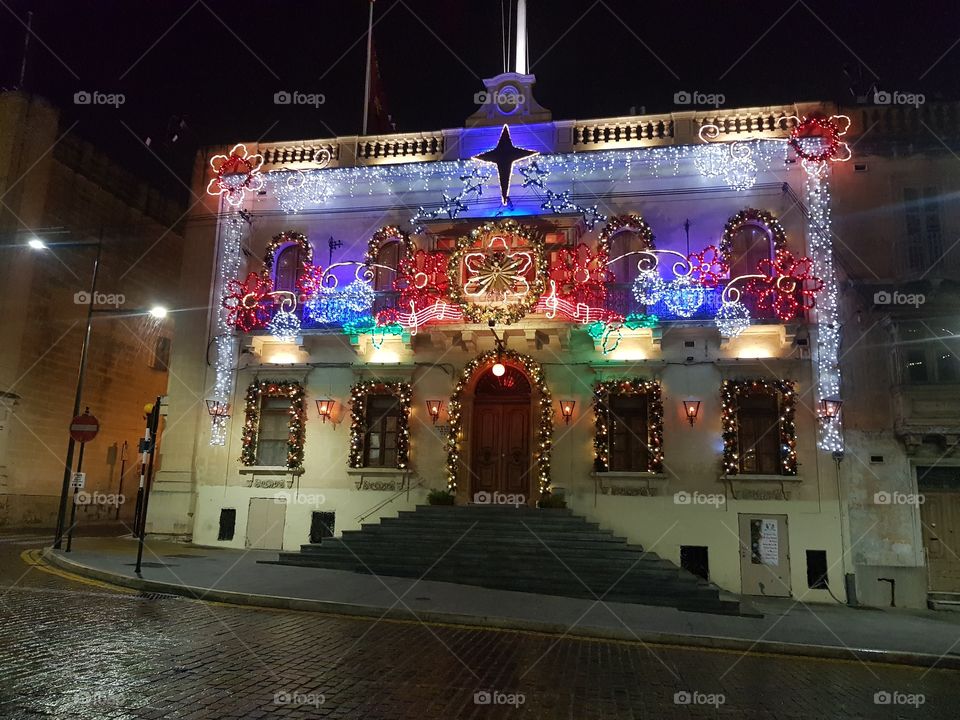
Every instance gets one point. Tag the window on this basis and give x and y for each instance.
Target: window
(380, 434)
(389, 257)
(758, 421)
(625, 269)
(929, 353)
(288, 267)
(923, 242)
(228, 523)
(628, 433)
(750, 244)
(274, 431)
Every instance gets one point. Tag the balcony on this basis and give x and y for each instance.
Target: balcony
(928, 410)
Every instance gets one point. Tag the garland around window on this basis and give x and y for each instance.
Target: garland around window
(358, 418)
(602, 393)
(730, 391)
(298, 416)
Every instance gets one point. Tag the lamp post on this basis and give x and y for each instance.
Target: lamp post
(157, 312)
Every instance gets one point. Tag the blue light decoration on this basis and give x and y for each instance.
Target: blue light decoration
(732, 318)
(358, 296)
(452, 205)
(284, 326)
(648, 287)
(339, 306)
(683, 297)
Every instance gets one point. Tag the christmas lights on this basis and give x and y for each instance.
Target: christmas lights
(732, 318)
(248, 303)
(624, 223)
(730, 392)
(544, 441)
(235, 174)
(359, 393)
(284, 326)
(260, 389)
(422, 279)
(744, 218)
(286, 238)
(817, 139)
(505, 270)
(683, 297)
(383, 236)
(602, 392)
(224, 341)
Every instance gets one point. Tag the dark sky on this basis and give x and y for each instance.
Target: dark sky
(218, 64)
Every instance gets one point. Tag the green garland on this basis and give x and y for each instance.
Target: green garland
(298, 416)
(751, 216)
(287, 236)
(625, 223)
(602, 392)
(730, 391)
(545, 426)
(381, 237)
(500, 312)
(358, 418)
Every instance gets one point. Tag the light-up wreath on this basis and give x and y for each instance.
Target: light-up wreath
(497, 272)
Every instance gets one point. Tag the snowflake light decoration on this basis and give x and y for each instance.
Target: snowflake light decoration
(648, 287)
(732, 318)
(683, 297)
(235, 174)
(284, 326)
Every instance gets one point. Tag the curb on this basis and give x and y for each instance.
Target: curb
(710, 642)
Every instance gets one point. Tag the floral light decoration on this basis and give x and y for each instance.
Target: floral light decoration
(708, 266)
(358, 417)
(751, 216)
(497, 272)
(544, 439)
(579, 275)
(818, 139)
(248, 303)
(779, 283)
(422, 279)
(287, 237)
(235, 174)
(260, 389)
(310, 281)
(730, 392)
(602, 392)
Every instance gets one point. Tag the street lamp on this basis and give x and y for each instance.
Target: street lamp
(158, 312)
(36, 243)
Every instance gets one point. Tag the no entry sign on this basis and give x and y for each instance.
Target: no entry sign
(84, 428)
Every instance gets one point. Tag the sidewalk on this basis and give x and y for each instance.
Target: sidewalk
(901, 636)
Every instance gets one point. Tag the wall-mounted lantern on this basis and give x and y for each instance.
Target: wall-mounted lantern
(325, 408)
(691, 408)
(566, 409)
(217, 409)
(433, 409)
(830, 408)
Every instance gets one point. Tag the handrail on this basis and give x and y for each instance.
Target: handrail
(408, 487)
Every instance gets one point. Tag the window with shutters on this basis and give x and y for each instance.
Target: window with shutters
(274, 431)
(380, 435)
(758, 423)
(628, 433)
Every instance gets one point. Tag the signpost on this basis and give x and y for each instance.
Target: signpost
(83, 429)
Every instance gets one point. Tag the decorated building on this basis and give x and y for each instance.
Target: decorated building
(636, 317)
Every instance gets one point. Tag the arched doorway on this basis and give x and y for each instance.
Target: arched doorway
(501, 461)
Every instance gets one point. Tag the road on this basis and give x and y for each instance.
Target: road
(75, 648)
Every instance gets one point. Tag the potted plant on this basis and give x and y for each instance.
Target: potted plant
(440, 497)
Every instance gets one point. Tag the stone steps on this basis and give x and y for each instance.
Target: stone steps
(549, 552)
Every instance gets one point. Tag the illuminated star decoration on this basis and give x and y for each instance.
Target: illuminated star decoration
(235, 174)
(504, 155)
(533, 175)
(558, 202)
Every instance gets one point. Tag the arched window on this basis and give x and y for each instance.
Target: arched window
(623, 234)
(288, 268)
(749, 237)
(389, 257)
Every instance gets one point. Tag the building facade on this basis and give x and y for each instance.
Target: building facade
(58, 188)
(638, 317)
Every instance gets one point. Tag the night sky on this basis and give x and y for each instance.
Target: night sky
(216, 65)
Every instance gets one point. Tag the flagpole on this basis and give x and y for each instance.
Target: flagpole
(366, 88)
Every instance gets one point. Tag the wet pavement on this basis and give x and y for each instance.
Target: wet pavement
(72, 648)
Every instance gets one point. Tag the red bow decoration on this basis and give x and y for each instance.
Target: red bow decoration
(422, 279)
(785, 279)
(580, 276)
(248, 303)
(708, 267)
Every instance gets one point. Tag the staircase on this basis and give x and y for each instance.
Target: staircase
(504, 548)
(943, 601)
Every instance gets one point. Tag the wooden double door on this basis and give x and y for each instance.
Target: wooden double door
(500, 461)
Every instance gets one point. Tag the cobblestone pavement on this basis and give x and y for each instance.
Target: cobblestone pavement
(80, 649)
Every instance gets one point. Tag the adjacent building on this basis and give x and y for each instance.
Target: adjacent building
(57, 188)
